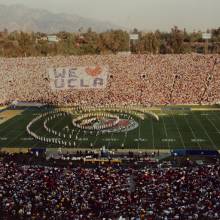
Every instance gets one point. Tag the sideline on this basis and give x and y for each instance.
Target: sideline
(9, 114)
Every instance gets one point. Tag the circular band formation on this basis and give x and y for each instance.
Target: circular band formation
(79, 126)
(87, 121)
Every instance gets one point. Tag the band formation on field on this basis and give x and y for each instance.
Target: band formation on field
(136, 128)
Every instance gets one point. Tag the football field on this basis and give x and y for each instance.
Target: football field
(174, 128)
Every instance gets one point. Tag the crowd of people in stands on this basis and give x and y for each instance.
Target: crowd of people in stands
(133, 79)
(104, 192)
(37, 192)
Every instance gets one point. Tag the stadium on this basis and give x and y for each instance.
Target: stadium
(113, 112)
(103, 121)
(165, 102)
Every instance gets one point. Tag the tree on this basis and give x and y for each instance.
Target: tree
(176, 40)
(114, 41)
(26, 43)
(150, 43)
(90, 42)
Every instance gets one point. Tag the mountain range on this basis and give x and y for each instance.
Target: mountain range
(20, 17)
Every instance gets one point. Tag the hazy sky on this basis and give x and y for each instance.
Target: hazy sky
(143, 14)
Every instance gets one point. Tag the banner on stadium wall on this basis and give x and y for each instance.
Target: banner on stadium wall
(89, 77)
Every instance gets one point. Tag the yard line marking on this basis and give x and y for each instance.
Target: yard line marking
(125, 137)
(187, 122)
(10, 123)
(79, 138)
(198, 140)
(152, 129)
(27, 139)
(79, 142)
(205, 131)
(211, 122)
(19, 134)
(9, 114)
(217, 116)
(16, 137)
(96, 138)
(165, 130)
(109, 140)
(181, 138)
(139, 134)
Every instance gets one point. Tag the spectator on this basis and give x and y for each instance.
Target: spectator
(134, 79)
(34, 192)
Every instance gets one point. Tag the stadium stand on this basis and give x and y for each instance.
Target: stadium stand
(168, 79)
(127, 186)
(41, 192)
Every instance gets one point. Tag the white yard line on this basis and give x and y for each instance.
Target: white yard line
(20, 134)
(217, 116)
(110, 140)
(10, 123)
(165, 130)
(152, 129)
(204, 129)
(193, 133)
(15, 137)
(79, 142)
(139, 134)
(211, 122)
(97, 136)
(125, 137)
(181, 138)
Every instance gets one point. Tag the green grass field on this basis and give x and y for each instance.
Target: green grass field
(191, 129)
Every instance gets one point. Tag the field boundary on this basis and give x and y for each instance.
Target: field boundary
(69, 150)
(26, 149)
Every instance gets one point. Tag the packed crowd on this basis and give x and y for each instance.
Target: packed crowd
(134, 79)
(35, 192)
